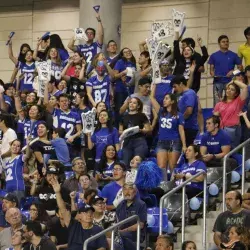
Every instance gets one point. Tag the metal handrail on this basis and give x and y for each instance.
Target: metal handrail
(224, 179)
(183, 187)
(131, 218)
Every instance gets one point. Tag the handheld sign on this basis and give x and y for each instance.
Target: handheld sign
(10, 36)
(97, 8)
(129, 132)
(80, 34)
(178, 20)
(88, 121)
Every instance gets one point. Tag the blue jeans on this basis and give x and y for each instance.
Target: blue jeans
(218, 91)
(133, 147)
(235, 134)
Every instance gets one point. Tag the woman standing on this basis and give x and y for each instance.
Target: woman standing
(172, 139)
(229, 108)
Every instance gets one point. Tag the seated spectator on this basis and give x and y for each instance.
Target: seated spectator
(9, 201)
(234, 216)
(17, 240)
(80, 230)
(229, 108)
(131, 205)
(112, 192)
(246, 199)
(238, 239)
(77, 60)
(164, 242)
(14, 218)
(35, 238)
(135, 144)
(79, 168)
(58, 231)
(6, 98)
(193, 166)
(188, 245)
(105, 219)
(132, 172)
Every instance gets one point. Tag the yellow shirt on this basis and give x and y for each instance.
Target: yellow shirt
(244, 52)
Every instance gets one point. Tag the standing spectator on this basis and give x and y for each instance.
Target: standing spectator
(244, 49)
(131, 205)
(14, 218)
(222, 64)
(90, 48)
(188, 106)
(229, 108)
(235, 215)
(112, 51)
(80, 230)
(34, 236)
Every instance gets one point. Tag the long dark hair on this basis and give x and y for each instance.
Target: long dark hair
(109, 122)
(84, 95)
(174, 106)
(41, 111)
(237, 90)
(56, 42)
(21, 56)
(103, 162)
(121, 56)
(185, 243)
(139, 103)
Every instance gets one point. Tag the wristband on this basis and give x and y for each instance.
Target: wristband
(99, 19)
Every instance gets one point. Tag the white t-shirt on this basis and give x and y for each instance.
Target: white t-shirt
(8, 137)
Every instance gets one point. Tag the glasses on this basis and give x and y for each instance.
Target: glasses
(118, 169)
(99, 203)
(127, 52)
(33, 209)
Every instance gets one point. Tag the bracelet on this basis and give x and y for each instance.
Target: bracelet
(99, 19)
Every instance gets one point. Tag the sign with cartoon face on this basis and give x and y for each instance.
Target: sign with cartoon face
(80, 34)
(178, 20)
(88, 121)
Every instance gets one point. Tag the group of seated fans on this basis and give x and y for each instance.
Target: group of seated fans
(60, 186)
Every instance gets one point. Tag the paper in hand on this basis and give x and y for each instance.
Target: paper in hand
(80, 34)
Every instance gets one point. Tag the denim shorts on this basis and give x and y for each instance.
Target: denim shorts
(169, 146)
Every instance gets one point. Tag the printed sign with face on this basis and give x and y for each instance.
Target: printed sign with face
(156, 72)
(80, 34)
(88, 121)
(178, 20)
(165, 31)
(44, 70)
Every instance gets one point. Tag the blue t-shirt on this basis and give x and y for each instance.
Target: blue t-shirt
(193, 169)
(67, 120)
(62, 151)
(102, 138)
(28, 71)
(111, 59)
(120, 66)
(189, 99)
(56, 71)
(64, 55)
(8, 100)
(78, 235)
(169, 126)
(215, 142)
(223, 63)
(110, 191)
(100, 89)
(27, 128)
(14, 174)
(89, 51)
(163, 88)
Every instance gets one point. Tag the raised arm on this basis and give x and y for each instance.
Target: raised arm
(71, 44)
(155, 104)
(177, 53)
(82, 72)
(65, 69)
(10, 52)
(244, 115)
(39, 41)
(18, 105)
(142, 46)
(4, 106)
(60, 202)
(100, 30)
(244, 89)
(14, 74)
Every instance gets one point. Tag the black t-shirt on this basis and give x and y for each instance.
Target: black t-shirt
(45, 244)
(227, 219)
(74, 86)
(132, 120)
(78, 235)
(44, 148)
(61, 233)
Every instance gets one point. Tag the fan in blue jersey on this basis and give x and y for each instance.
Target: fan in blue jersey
(164, 87)
(112, 51)
(7, 104)
(56, 63)
(27, 125)
(171, 133)
(13, 168)
(27, 70)
(104, 135)
(98, 87)
(191, 168)
(90, 48)
(188, 105)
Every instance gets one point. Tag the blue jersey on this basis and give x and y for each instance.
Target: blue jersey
(89, 51)
(215, 142)
(27, 128)
(100, 89)
(8, 100)
(28, 72)
(56, 71)
(193, 169)
(169, 126)
(120, 66)
(163, 88)
(67, 120)
(111, 59)
(189, 99)
(14, 174)
(64, 55)
(110, 192)
(102, 138)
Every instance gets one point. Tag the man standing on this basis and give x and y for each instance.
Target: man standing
(222, 64)
(112, 51)
(236, 215)
(244, 49)
(131, 205)
(33, 234)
